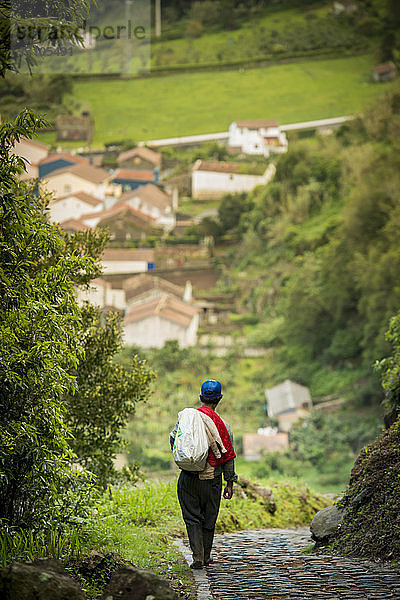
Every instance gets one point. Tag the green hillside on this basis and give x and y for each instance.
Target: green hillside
(194, 103)
(315, 274)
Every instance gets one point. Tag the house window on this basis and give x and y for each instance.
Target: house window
(67, 188)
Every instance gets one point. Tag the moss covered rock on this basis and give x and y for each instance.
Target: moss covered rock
(371, 523)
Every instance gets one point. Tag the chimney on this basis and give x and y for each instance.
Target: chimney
(187, 294)
(175, 199)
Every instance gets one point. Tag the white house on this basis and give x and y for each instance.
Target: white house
(73, 206)
(212, 180)
(102, 294)
(126, 262)
(150, 324)
(80, 177)
(33, 152)
(257, 137)
(150, 200)
(288, 401)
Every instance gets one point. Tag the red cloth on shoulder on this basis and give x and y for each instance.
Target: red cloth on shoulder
(225, 437)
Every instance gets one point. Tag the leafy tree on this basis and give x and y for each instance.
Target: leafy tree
(207, 12)
(24, 24)
(39, 345)
(231, 209)
(106, 395)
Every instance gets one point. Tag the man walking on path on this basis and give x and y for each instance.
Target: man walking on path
(199, 493)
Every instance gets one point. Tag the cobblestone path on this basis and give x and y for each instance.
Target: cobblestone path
(269, 565)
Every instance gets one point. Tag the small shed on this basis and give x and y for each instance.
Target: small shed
(385, 72)
(287, 397)
(75, 128)
(255, 444)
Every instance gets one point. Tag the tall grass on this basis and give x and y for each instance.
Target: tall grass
(140, 523)
(28, 545)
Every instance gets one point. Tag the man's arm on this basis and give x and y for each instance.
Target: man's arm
(228, 469)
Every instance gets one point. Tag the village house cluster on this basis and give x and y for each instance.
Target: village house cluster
(135, 200)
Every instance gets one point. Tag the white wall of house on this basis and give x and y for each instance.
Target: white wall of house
(69, 183)
(148, 209)
(154, 331)
(114, 267)
(31, 152)
(71, 208)
(166, 222)
(33, 155)
(102, 294)
(211, 184)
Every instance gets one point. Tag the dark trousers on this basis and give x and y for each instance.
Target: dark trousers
(199, 500)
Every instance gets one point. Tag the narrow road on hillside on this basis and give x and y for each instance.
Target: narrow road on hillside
(269, 564)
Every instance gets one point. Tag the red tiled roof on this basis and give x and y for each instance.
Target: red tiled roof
(81, 196)
(218, 167)
(384, 68)
(142, 152)
(84, 171)
(75, 225)
(133, 174)
(167, 307)
(149, 193)
(257, 124)
(63, 155)
(134, 254)
(143, 282)
(118, 209)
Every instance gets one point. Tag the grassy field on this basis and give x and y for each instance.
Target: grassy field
(192, 103)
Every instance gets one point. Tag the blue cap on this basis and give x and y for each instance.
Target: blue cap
(211, 389)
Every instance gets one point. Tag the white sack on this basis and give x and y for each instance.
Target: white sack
(190, 449)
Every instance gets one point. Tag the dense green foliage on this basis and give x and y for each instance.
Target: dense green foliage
(56, 371)
(42, 93)
(39, 323)
(319, 260)
(390, 370)
(372, 500)
(105, 397)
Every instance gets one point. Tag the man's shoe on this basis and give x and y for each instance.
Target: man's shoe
(196, 565)
(208, 561)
